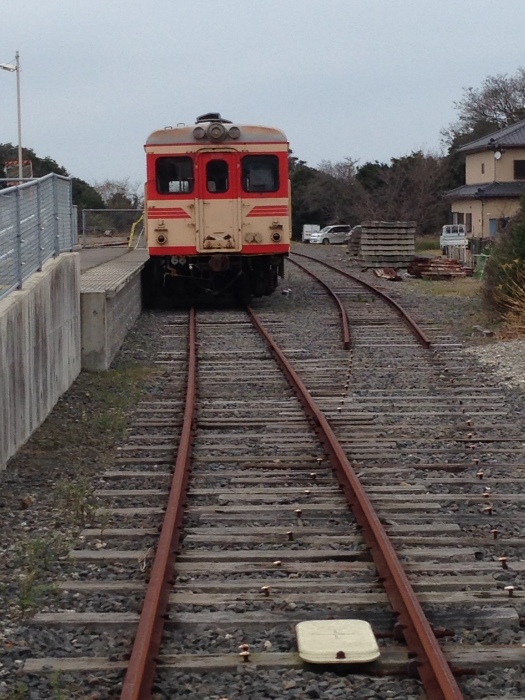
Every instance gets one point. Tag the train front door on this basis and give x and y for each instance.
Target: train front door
(218, 204)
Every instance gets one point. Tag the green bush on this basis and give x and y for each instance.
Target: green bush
(504, 275)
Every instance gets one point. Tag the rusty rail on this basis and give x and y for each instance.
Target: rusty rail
(140, 674)
(420, 335)
(433, 668)
(342, 311)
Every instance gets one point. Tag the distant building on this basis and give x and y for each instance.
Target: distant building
(494, 177)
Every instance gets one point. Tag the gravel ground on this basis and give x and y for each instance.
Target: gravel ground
(456, 304)
(78, 440)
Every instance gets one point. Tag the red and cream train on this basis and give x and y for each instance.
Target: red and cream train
(217, 209)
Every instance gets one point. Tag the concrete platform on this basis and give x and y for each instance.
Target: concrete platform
(110, 301)
(93, 257)
(73, 314)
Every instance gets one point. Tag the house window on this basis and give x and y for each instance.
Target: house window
(468, 222)
(460, 218)
(483, 168)
(519, 169)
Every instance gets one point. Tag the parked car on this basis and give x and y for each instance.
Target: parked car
(308, 230)
(331, 234)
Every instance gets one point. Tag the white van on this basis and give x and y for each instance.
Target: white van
(308, 230)
(453, 234)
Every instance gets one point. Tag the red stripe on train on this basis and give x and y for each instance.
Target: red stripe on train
(269, 249)
(173, 250)
(168, 213)
(275, 210)
(257, 249)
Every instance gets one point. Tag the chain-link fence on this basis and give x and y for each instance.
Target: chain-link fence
(107, 226)
(37, 221)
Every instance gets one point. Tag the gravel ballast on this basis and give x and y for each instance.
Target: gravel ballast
(82, 436)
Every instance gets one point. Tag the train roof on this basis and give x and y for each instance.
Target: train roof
(184, 133)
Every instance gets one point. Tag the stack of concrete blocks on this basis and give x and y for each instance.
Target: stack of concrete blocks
(385, 244)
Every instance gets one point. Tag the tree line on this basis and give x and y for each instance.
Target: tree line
(109, 194)
(407, 188)
(410, 187)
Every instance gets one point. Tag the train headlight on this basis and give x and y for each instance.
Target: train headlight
(276, 236)
(198, 132)
(234, 132)
(216, 132)
(161, 239)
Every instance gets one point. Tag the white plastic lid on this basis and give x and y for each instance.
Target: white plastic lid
(336, 642)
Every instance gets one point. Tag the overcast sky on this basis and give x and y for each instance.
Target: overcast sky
(365, 79)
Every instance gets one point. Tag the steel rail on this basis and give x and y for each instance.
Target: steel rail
(141, 669)
(433, 668)
(342, 311)
(423, 339)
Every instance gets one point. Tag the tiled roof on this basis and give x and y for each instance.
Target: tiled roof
(487, 190)
(510, 136)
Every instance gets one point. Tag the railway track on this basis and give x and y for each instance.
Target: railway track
(268, 539)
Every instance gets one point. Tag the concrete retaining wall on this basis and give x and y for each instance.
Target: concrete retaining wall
(40, 349)
(110, 305)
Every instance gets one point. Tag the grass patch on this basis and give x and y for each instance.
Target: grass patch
(466, 287)
(106, 400)
(58, 690)
(40, 553)
(76, 501)
(19, 691)
(113, 395)
(427, 245)
(471, 311)
(34, 560)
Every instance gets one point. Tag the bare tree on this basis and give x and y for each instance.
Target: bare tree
(119, 194)
(331, 192)
(499, 102)
(410, 188)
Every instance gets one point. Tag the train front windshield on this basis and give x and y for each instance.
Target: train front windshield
(260, 173)
(174, 175)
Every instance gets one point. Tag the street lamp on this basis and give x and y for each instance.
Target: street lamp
(16, 69)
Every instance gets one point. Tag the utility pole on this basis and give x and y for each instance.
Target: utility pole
(16, 69)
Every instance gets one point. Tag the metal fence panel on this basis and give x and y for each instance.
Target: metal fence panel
(8, 249)
(37, 221)
(47, 219)
(29, 230)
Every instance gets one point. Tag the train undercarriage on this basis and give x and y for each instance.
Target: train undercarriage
(173, 280)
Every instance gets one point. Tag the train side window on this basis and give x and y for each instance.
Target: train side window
(217, 176)
(174, 175)
(260, 173)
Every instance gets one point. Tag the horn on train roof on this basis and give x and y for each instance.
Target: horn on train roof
(212, 117)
